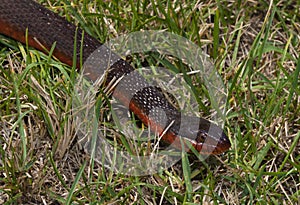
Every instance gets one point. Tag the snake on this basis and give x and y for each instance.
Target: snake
(31, 23)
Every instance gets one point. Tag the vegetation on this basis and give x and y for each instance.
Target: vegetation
(255, 47)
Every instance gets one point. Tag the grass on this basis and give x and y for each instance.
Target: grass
(255, 46)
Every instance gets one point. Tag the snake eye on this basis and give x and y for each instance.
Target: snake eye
(201, 137)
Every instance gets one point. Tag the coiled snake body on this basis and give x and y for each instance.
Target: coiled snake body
(45, 28)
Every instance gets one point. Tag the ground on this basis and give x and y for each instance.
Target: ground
(254, 46)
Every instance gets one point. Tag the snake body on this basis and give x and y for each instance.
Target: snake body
(29, 22)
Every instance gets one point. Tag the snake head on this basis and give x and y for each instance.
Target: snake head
(205, 136)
